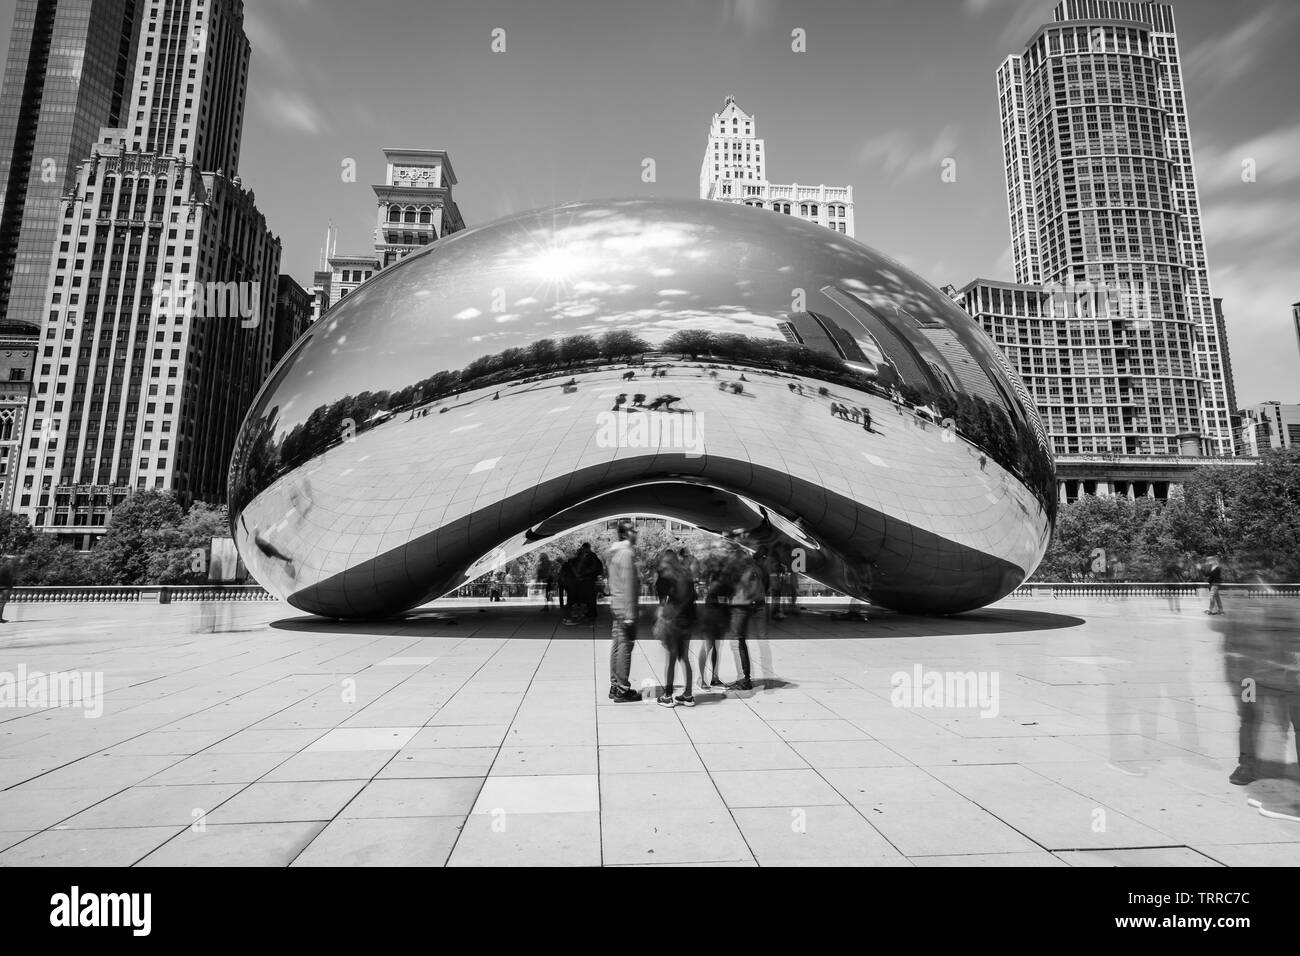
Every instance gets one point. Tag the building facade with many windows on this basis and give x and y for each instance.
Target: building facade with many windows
(1106, 226)
(160, 309)
(735, 170)
(1269, 426)
(68, 74)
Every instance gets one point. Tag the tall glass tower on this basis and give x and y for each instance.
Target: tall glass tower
(68, 72)
(1105, 219)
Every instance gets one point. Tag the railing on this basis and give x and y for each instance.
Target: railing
(160, 593)
(1059, 589)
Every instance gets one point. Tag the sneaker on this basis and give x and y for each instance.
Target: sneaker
(743, 684)
(1241, 776)
(686, 700)
(666, 700)
(628, 696)
(716, 682)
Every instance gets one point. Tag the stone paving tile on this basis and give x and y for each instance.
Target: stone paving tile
(494, 743)
(236, 844)
(530, 839)
(815, 835)
(394, 841)
(113, 847)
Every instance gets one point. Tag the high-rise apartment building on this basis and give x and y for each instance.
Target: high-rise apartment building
(1111, 321)
(734, 170)
(160, 308)
(1269, 426)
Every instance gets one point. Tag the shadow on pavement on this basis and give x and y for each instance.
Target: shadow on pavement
(528, 623)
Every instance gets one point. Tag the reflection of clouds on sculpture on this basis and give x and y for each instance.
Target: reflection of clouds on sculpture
(529, 326)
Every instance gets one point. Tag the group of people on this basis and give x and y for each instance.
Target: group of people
(734, 590)
(575, 582)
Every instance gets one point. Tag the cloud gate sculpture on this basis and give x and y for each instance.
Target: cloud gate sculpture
(735, 368)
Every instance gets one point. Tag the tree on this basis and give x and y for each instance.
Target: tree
(16, 534)
(578, 348)
(134, 534)
(620, 345)
(173, 561)
(46, 563)
(690, 342)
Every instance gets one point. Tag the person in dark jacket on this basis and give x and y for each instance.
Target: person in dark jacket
(589, 568)
(568, 581)
(673, 625)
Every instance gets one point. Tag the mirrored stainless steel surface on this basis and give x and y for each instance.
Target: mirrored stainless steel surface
(736, 368)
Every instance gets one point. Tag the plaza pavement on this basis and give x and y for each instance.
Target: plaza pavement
(249, 734)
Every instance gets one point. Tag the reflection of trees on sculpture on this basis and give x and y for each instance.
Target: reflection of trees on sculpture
(989, 427)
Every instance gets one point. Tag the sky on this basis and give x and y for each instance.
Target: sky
(886, 90)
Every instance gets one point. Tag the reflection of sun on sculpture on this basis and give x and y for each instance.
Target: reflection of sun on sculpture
(876, 430)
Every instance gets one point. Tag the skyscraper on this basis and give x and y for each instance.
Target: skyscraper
(67, 74)
(733, 170)
(68, 71)
(1119, 340)
(159, 312)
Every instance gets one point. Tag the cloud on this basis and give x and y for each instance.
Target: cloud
(1019, 19)
(291, 110)
(1219, 166)
(1220, 60)
(750, 15)
(897, 153)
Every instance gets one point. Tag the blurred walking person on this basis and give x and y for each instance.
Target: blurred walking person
(713, 621)
(1215, 580)
(624, 598)
(676, 618)
(748, 592)
(8, 573)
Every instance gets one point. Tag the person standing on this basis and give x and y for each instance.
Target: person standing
(713, 622)
(8, 572)
(1215, 579)
(676, 618)
(589, 568)
(568, 581)
(749, 592)
(624, 597)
